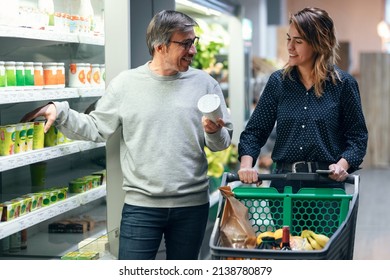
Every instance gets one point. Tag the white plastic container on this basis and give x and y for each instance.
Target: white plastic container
(95, 76)
(77, 75)
(210, 106)
(61, 75)
(102, 75)
(46, 7)
(88, 73)
(86, 11)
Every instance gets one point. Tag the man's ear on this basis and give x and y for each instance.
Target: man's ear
(161, 48)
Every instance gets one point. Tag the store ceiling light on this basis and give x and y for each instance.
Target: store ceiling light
(383, 30)
(199, 8)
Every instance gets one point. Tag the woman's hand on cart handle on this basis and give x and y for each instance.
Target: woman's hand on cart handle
(248, 176)
(348, 178)
(339, 170)
(247, 173)
(319, 176)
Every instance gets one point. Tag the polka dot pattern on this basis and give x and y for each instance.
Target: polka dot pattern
(309, 128)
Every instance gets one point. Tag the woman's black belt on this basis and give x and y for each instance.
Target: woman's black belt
(302, 166)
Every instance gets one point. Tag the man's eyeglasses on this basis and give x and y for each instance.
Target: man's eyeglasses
(187, 44)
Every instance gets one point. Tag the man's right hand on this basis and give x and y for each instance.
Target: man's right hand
(48, 111)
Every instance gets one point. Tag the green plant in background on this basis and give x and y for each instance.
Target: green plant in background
(206, 56)
(220, 161)
(207, 49)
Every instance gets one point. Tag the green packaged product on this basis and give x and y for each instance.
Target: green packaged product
(51, 138)
(78, 186)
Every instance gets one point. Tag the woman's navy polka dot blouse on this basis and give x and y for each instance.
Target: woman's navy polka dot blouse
(309, 128)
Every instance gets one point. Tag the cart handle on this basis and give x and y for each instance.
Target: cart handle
(291, 176)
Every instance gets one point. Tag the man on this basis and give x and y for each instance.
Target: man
(162, 139)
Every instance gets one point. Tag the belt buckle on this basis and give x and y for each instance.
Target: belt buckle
(294, 166)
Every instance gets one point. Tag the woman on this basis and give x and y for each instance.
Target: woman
(316, 105)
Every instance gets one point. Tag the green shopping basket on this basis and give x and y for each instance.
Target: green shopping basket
(328, 211)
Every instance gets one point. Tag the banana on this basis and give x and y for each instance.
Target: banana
(278, 234)
(305, 233)
(314, 243)
(306, 245)
(262, 235)
(266, 234)
(320, 238)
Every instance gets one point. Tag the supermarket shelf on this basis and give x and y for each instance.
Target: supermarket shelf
(45, 213)
(47, 35)
(57, 244)
(90, 92)
(27, 158)
(30, 95)
(18, 96)
(91, 40)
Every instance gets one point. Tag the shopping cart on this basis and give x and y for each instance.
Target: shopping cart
(324, 210)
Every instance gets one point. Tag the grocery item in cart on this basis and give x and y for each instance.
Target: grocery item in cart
(236, 230)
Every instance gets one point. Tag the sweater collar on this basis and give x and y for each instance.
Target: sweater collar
(160, 77)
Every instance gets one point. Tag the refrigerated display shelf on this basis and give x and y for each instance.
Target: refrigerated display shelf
(30, 157)
(56, 244)
(30, 95)
(48, 35)
(33, 44)
(48, 212)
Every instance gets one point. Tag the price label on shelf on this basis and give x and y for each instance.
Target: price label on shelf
(68, 205)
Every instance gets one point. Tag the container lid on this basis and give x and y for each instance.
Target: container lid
(209, 103)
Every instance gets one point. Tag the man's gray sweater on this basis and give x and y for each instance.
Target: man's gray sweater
(162, 137)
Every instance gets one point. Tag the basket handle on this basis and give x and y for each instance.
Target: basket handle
(291, 176)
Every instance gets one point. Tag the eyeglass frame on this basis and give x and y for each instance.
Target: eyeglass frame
(187, 44)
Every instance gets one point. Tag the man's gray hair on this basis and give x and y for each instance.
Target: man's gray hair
(164, 24)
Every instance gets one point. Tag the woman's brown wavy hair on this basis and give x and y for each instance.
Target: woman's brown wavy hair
(316, 27)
